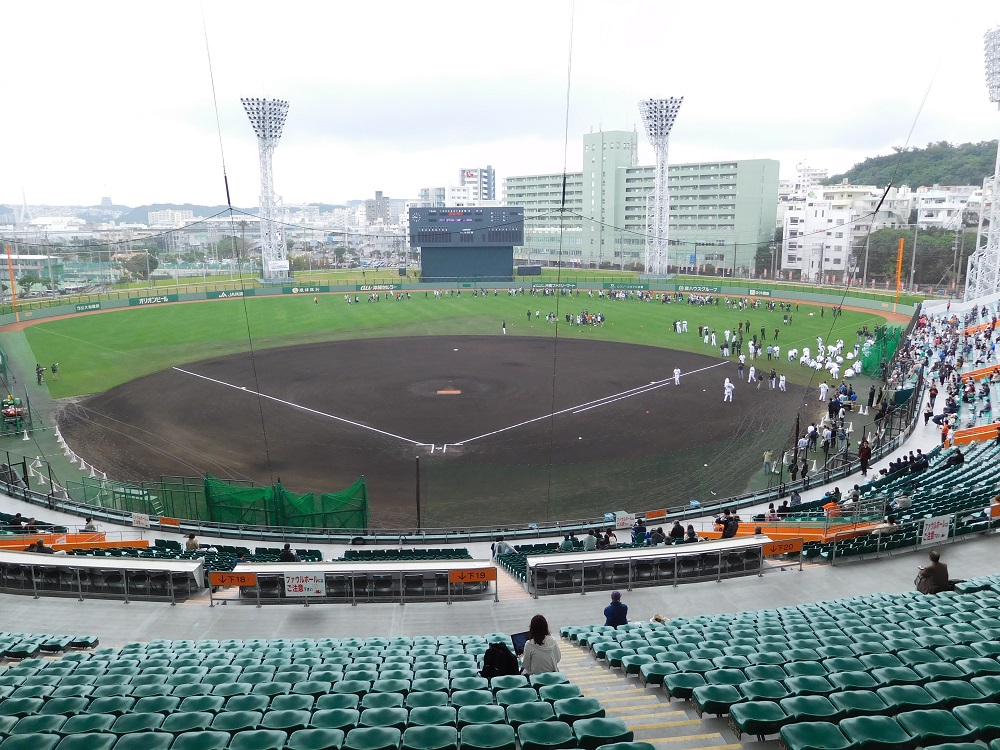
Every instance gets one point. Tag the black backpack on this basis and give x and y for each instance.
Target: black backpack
(498, 660)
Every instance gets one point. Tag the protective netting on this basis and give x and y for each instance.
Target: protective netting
(276, 506)
(880, 351)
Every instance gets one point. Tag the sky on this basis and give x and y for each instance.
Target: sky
(116, 99)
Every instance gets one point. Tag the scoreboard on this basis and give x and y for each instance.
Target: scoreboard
(467, 244)
(499, 226)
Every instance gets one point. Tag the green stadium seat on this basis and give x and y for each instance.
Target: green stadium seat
(950, 693)
(593, 733)
(857, 703)
(547, 678)
(487, 737)
(471, 698)
(286, 720)
(941, 670)
(137, 722)
(418, 700)
(506, 682)
(39, 723)
(431, 683)
(65, 706)
(145, 741)
(763, 690)
(430, 738)
(715, 699)
(809, 708)
(899, 698)
(344, 719)
(814, 735)
(315, 739)
(187, 721)
(682, 684)
(759, 718)
(469, 683)
(293, 703)
(373, 738)
(236, 721)
(876, 733)
(82, 723)
(765, 672)
(852, 680)
(258, 739)
(511, 696)
(382, 700)
(933, 726)
(208, 740)
(983, 719)
(543, 735)
(896, 676)
(384, 717)
(526, 713)
(809, 685)
(20, 707)
(432, 716)
(213, 703)
(339, 700)
(486, 714)
(91, 741)
(559, 692)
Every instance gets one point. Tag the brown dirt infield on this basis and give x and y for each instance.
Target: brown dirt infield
(539, 430)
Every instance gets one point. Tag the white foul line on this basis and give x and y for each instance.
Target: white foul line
(637, 391)
(303, 408)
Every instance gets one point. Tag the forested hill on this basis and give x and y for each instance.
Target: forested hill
(939, 164)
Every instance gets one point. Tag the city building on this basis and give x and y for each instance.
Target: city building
(169, 218)
(480, 181)
(806, 177)
(48, 268)
(377, 209)
(719, 211)
(824, 232)
(944, 206)
(451, 195)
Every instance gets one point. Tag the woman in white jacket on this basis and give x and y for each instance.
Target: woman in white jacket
(541, 652)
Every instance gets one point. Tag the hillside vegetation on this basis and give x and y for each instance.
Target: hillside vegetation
(940, 163)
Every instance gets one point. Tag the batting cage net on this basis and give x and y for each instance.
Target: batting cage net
(874, 355)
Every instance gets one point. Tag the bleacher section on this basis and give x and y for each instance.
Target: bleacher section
(875, 671)
(30, 645)
(940, 490)
(41, 526)
(421, 693)
(216, 558)
(384, 555)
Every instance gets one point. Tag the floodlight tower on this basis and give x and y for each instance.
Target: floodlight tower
(983, 276)
(658, 116)
(267, 116)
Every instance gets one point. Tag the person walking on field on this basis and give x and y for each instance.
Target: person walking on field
(55, 371)
(728, 389)
(677, 376)
(503, 327)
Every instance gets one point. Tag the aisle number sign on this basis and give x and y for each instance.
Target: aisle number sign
(305, 584)
(472, 575)
(783, 547)
(232, 579)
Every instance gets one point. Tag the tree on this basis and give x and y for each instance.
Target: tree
(28, 280)
(935, 255)
(136, 266)
(939, 164)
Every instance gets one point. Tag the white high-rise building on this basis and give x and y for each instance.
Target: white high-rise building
(806, 177)
(481, 182)
(943, 205)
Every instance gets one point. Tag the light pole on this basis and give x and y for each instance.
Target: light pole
(267, 116)
(913, 257)
(983, 271)
(658, 115)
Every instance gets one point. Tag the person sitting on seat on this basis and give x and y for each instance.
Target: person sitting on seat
(590, 541)
(41, 548)
(957, 458)
(933, 579)
(692, 535)
(677, 533)
(288, 554)
(566, 545)
(657, 537)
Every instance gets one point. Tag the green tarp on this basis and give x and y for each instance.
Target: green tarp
(276, 506)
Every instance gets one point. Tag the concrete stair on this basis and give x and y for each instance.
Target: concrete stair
(645, 709)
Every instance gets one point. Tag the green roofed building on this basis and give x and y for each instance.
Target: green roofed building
(718, 209)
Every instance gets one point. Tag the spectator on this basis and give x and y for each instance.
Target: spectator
(500, 547)
(89, 525)
(657, 537)
(677, 533)
(933, 579)
(41, 548)
(192, 543)
(692, 535)
(590, 541)
(616, 613)
(288, 554)
(566, 545)
(956, 458)
(541, 652)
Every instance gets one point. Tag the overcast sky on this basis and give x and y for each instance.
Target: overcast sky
(115, 98)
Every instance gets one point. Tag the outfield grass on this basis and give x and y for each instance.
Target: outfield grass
(102, 350)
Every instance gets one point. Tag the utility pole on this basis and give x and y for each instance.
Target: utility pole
(913, 258)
